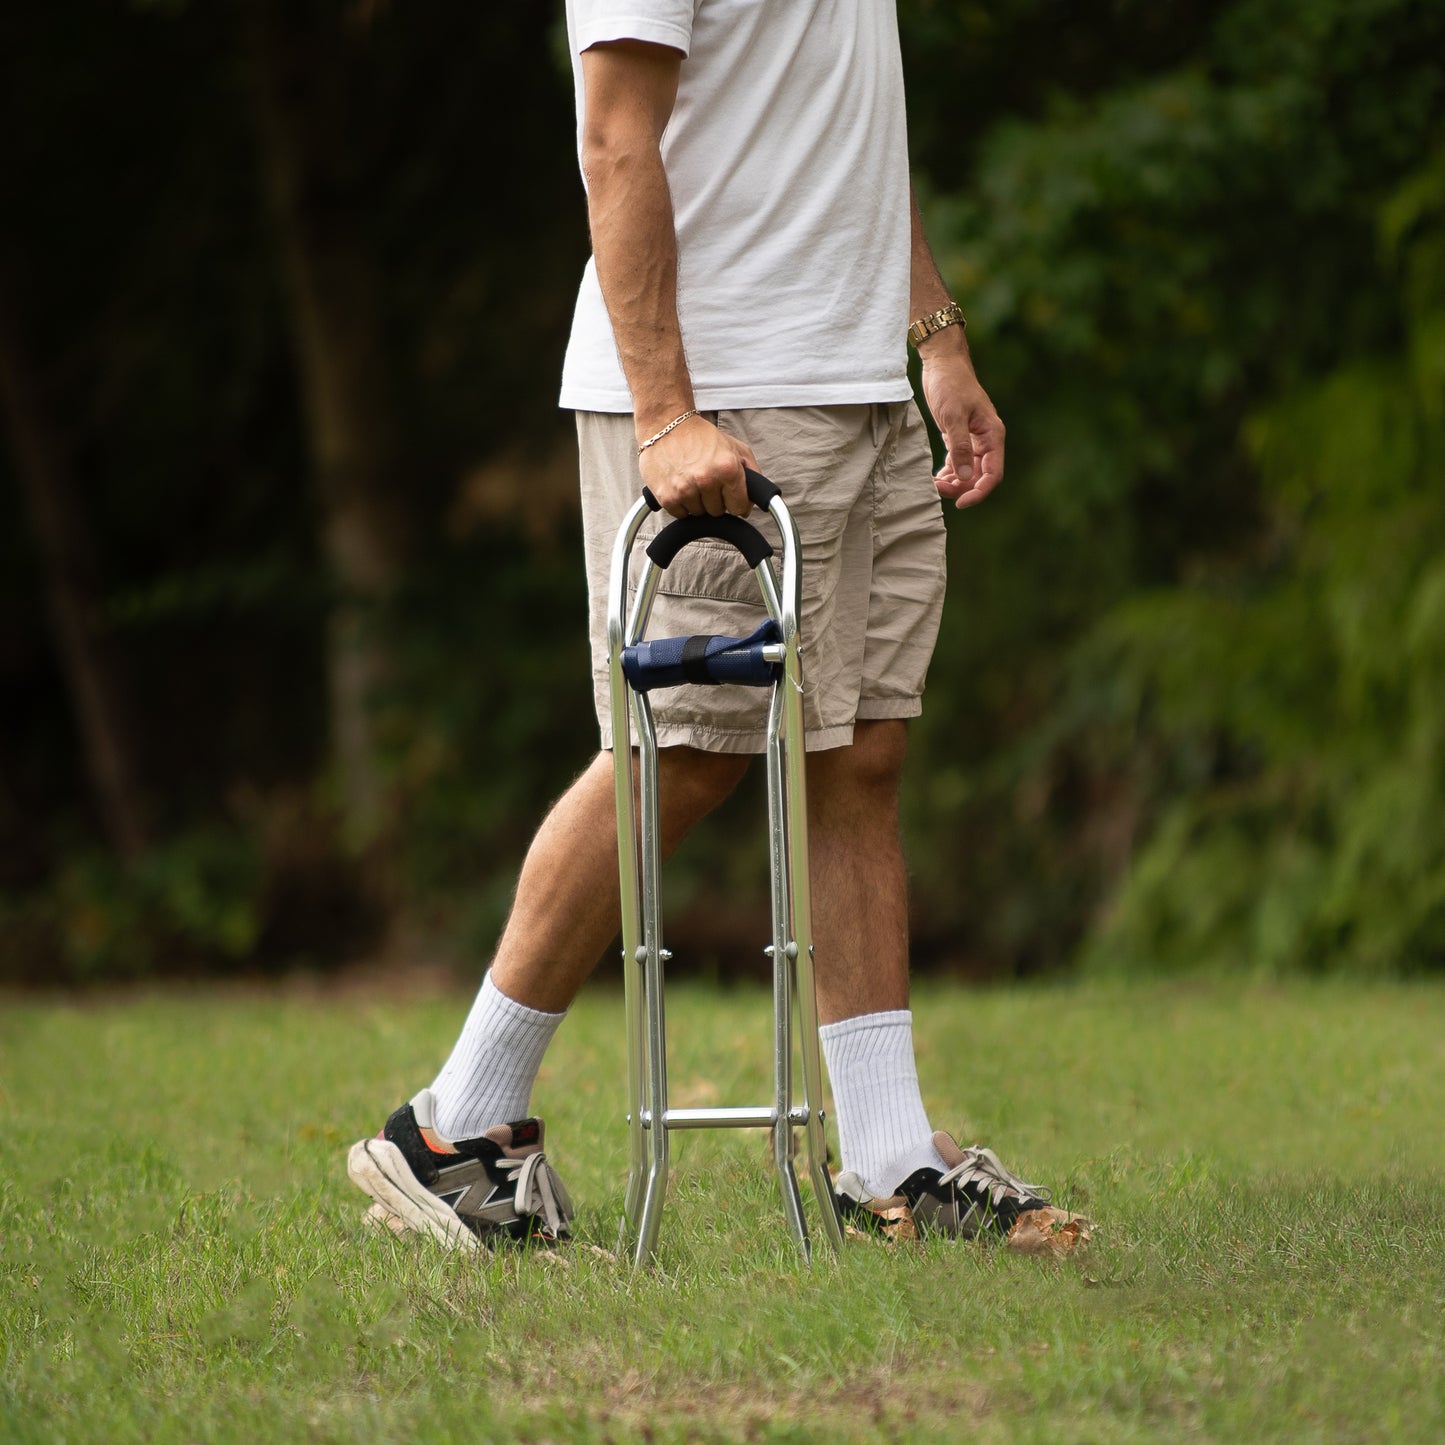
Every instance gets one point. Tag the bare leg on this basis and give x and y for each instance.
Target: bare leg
(861, 930)
(860, 886)
(566, 908)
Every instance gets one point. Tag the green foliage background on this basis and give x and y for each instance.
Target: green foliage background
(1187, 709)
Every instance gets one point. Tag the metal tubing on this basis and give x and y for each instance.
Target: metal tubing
(647, 586)
(782, 980)
(650, 1220)
(742, 1118)
(758, 1116)
(801, 895)
(627, 861)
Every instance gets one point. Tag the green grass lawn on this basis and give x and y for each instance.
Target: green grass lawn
(184, 1259)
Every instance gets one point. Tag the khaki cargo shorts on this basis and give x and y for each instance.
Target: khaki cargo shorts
(858, 480)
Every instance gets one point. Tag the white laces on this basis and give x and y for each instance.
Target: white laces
(539, 1192)
(982, 1169)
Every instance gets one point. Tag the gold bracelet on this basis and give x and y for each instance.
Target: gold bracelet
(925, 326)
(658, 436)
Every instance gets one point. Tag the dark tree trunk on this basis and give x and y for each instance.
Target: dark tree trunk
(297, 63)
(102, 717)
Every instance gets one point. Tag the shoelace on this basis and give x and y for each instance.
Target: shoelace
(539, 1191)
(982, 1167)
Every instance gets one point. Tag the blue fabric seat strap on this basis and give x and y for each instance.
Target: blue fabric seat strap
(709, 661)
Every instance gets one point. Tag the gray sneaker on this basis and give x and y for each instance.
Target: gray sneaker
(498, 1186)
(975, 1195)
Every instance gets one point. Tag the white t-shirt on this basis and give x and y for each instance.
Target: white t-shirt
(787, 159)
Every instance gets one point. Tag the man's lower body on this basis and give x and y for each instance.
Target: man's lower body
(858, 480)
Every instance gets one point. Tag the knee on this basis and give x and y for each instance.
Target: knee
(880, 748)
(871, 765)
(699, 780)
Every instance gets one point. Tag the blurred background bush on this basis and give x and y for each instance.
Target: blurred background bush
(292, 646)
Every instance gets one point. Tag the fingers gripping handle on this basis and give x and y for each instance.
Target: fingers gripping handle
(760, 491)
(746, 538)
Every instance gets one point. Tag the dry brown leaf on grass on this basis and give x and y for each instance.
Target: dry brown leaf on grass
(894, 1224)
(580, 1246)
(1049, 1232)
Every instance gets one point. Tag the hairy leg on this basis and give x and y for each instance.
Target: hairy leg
(861, 930)
(860, 886)
(566, 908)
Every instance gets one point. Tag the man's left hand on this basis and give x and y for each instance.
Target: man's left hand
(972, 430)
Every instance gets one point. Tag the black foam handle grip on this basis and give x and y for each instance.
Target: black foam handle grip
(676, 535)
(760, 490)
(743, 535)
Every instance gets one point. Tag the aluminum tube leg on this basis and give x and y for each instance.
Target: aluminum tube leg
(817, 1143)
(634, 994)
(800, 890)
(786, 606)
(782, 984)
(650, 1220)
(622, 777)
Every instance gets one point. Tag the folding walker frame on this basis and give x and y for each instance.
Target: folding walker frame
(769, 657)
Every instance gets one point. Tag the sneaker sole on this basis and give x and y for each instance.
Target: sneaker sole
(380, 1168)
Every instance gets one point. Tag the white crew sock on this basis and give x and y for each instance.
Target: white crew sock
(882, 1125)
(488, 1078)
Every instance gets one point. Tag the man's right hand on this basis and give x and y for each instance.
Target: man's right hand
(697, 470)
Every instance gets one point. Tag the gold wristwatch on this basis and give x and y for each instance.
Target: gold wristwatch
(925, 326)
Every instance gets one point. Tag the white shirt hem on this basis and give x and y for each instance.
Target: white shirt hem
(633, 27)
(737, 398)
